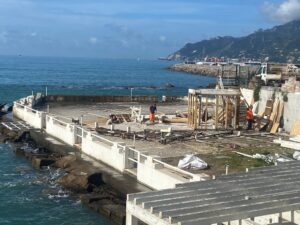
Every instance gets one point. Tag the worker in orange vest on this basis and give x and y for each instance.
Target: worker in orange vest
(152, 109)
(249, 117)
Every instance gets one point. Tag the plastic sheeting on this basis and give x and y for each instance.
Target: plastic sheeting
(192, 162)
(296, 155)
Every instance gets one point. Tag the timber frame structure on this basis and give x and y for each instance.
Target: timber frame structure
(222, 105)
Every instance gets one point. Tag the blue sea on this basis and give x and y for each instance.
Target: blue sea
(29, 196)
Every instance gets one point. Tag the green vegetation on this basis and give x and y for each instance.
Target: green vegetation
(280, 44)
(285, 97)
(256, 92)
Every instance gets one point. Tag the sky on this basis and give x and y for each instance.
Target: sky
(130, 28)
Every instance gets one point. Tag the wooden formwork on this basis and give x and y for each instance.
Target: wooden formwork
(213, 108)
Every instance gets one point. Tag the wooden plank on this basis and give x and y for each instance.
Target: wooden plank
(196, 112)
(274, 128)
(199, 111)
(226, 112)
(280, 111)
(189, 109)
(276, 121)
(217, 113)
(236, 113)
(274, 111)
(296, 129)
(174, 120)
(206, 112)
(223, 92)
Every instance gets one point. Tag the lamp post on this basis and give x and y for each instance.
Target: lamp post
(131, 89)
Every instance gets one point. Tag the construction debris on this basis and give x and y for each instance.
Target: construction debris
(268, 158)
(212, 134)
(167, 137)
(270, 119)
(165, 119)
(288, 144)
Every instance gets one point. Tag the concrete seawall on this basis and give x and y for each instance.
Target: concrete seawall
(102, 98)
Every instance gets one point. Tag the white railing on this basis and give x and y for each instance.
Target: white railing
(165, 165)
(102, 139)
(191, 176)
(33, 117)
(115, 154)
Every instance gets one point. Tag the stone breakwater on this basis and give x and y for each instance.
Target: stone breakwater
(80, 178)
(204, 70)
(212, 70)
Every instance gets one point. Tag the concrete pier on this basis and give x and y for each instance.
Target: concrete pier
(148, 169)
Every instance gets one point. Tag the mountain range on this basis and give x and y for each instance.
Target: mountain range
(278, 44)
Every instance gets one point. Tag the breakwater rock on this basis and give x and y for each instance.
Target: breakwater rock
(214, 70)
(79, 178)
(204, 70)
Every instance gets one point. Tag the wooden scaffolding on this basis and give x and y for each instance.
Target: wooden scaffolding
(213, 109)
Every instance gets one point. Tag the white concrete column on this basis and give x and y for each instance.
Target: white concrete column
(130, 219)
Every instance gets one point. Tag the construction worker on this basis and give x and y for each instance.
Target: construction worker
(152, 109)
(249, 117)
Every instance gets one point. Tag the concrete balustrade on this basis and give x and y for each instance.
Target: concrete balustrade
(111, 153)
(34, 118)
(61, 130)
(158, 175)
(18, 111)
(150, 170)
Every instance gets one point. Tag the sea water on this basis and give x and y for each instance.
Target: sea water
(19, 76)
(29, 196)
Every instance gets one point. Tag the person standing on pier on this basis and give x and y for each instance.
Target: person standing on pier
(152, 109)
(249, 117)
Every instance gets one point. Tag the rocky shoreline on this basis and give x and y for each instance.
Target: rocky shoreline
(82, 180)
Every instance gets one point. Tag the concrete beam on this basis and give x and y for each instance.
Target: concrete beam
(227, 92)
(194, 200)
(231, 208)
(255, 212)
(226, 188)
(143, 215)
(212, 206)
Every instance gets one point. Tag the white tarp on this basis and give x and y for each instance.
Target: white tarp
(296, 155)
(192, 162)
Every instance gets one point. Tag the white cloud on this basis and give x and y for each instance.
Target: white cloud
(93, 40)
(287, 11)
(33, 34)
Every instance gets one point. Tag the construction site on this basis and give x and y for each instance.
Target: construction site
(199, 153)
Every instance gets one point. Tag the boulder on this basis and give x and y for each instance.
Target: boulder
(41, 162)
(81, 183)
(65, 161)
